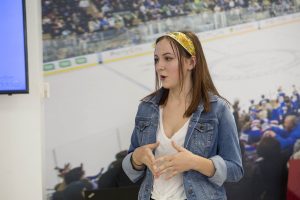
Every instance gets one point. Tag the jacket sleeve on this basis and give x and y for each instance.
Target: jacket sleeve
(133, 175)
(228, 161)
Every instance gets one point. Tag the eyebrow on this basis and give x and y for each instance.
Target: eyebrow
(164, 54)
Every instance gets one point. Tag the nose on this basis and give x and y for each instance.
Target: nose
(160, 66)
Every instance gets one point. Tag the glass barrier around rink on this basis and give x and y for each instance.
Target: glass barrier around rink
(87, 43)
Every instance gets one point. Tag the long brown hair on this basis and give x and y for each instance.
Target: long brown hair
(202, 84)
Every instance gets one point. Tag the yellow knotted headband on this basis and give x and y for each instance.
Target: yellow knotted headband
(184, 41)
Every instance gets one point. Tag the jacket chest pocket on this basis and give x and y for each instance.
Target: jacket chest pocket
(143, 131)
(202, 138)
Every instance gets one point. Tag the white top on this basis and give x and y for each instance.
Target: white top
(171, 189)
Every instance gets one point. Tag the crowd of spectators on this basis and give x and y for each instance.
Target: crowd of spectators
(276, 118)
(79, 27)
(269, 136)
(74, 17)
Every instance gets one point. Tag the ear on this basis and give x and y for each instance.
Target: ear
(191, 63)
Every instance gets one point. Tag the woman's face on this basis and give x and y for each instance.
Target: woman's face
(167, 65)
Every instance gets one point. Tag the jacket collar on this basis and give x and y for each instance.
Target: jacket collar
(155, 98)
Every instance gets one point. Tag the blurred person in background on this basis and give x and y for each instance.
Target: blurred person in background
(287, 136)
(75, 184)
(115, 177)
(268, 171)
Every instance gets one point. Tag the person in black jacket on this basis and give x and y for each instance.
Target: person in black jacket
(115, 177)
(268, 171)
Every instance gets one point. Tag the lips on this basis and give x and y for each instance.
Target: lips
(162, 77)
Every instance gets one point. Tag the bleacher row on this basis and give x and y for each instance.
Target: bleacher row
(74, 17)
(81, 27)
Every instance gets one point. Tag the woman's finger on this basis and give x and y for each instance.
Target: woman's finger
(166, 171)
(163, 159)
(177, 147)
(163, 165)
(153, 145)
(171, 175)
(151, 156)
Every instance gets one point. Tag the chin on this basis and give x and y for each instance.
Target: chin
(166, 86)
(169, 85)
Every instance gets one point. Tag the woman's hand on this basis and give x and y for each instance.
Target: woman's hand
(143, 155)
(176, 163)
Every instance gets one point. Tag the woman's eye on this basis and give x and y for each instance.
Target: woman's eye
(168, 58)
(155, 60)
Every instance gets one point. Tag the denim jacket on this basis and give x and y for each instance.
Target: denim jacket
(212, 135)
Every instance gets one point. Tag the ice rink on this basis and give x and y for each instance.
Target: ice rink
(90, 112)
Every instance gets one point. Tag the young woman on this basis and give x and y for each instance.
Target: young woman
(185, 142)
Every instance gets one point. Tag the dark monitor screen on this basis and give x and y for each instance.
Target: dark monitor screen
(13, 49)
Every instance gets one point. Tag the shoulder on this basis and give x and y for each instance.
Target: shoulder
(219, 101)
(219, 105)
(150, 103)
(146, 110)
(155, 96)
(144, 105)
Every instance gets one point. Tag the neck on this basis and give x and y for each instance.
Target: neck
(181, 95)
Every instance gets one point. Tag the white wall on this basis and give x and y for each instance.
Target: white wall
(21, 119)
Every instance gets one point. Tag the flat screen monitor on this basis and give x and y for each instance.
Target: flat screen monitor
(13, 48)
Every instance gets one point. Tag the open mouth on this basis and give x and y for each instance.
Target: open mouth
(162, 77)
